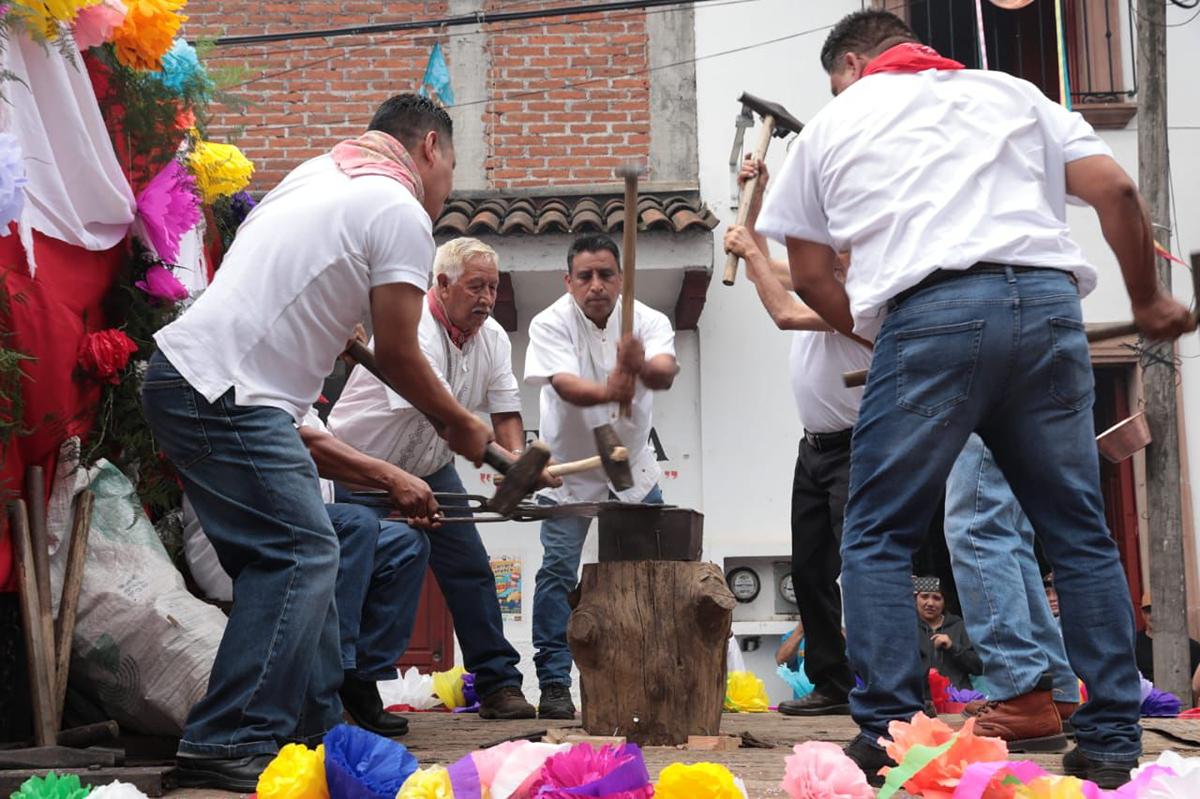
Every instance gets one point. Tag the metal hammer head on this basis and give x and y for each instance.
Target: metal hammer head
(631, 169)
(613, 457)
(785, 123)
(520, 478)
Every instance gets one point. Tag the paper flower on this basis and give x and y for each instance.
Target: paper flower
(796, 680)
(12, 181)
(1161, 704)
(117, 790)
(996, 779)
(427, 783)
(503, 770)
(362, 764)
(697, 781)
(745, 693)
(1051, 787)
(95, 24)
(963, 695)
(161, 285)
(46, 17)
(821, 770)
(52, 786)
(220, 169)
(1169, 777)
(612, 772)
(146, 33)
(448, 687)
(297, 772)
(932, 757)
(939, 691)
(413, 690)
(180, 66)
(169, 207)
(104, 354)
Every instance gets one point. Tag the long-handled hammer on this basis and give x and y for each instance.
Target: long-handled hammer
(630, 172)
(615, 463)
(776, 122)
(520, 475)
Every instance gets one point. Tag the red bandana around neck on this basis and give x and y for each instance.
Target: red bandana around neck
(377, 153)
(910, 57)
(457, 336)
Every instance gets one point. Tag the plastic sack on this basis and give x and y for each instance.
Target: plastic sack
(448, 687)
(206, 569)
(412, 689)
(796, 680)
(745, 693)
(363, 765)
(733, 656)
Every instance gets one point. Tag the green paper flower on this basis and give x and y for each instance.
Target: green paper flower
(52, 786)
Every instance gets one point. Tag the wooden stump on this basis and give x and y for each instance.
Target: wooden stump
(650, 639)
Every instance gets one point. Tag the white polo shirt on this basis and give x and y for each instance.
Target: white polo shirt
(936, 170)
(562, 340)
(377, 421)
(295, 282)
(818, 360)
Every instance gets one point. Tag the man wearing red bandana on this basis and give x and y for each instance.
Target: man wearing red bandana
(949, 186)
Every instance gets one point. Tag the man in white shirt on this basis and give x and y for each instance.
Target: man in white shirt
(343, 234)
(949, 187)
(585, 370)
(471, 355)
(828, 411)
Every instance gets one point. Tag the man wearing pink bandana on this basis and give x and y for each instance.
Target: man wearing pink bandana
(949, 186)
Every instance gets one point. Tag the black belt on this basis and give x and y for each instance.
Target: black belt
(981, 268)
(826, 442)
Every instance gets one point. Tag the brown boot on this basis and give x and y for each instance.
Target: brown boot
(1066, 709)
(1028, 723)
(506, 702)
(972, 708)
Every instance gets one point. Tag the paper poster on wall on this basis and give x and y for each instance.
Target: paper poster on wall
(507, 569)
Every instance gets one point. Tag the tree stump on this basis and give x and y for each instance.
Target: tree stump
(650, 640)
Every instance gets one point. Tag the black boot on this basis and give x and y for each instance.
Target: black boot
(1107, 774)
(818, 703)
(361, 700)
(237, 774)
(870, 758)
(555, 703)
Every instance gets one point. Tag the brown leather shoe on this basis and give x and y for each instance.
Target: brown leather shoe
(1065, 709)
(506, 702)
(1028, 723)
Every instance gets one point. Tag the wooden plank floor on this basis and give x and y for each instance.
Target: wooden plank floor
(443, 738)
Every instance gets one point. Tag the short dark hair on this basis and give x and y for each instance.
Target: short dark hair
(862, 32)
(408, 117)
(592, 242)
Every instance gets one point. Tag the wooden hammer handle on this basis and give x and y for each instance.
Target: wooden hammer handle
(628, 274)
(760, 152)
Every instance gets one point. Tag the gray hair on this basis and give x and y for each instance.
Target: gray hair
(453, 254)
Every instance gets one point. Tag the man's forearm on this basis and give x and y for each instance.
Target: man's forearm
(1125, 222)
(787, 312)
(337, 460)
(408, 371)
(658, 373)
(579, 391)
(813, 268)
(510, 430)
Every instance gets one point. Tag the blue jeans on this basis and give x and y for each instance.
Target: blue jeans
(562, 548)
(1004, 604)
(460, 563)
(1004, 355)
(380, 574)
(254, 488)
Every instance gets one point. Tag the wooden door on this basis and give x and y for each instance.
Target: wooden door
(432, 645)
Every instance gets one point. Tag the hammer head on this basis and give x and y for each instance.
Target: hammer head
(631, 169)
(613, 457)
(520, 479)
(785, 123)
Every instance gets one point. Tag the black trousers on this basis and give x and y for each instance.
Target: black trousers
(819, 490)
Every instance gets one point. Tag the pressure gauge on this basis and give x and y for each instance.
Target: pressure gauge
(744, 584)
(786, 589)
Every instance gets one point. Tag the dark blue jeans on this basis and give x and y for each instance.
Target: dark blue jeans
(254, 488)
(460, 564)
(1005, 355)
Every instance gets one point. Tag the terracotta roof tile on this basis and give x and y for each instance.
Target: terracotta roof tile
(572, 214)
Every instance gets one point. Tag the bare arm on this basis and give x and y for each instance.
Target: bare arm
(813, 268)
(337, 460)
(788, 649)
(510, 430)
(658, 373)
(585, 393)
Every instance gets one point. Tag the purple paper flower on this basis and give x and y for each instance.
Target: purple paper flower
(963, 695)
(612, 772)
(169, 207)
(12, 181)
(161, 285)
(1161, 703)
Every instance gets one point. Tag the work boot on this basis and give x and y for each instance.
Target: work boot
(236, 774)
(869, 758)
(360, 698)
(1108, 774)
(1028, 723)
(818, 703)
(506, 702)
(555, 703)
(1065, 710)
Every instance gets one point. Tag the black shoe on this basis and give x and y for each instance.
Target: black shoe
(237, 774)
(556, 703)
(507, 702)
(818, 703)
(1107, 774)
(869, 758)
(361, 700)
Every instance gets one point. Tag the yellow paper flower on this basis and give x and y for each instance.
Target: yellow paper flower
(1051, 787)
(148, 32)
(697, 781)
(427, 783)
(220, 169)
(448, 687)
(297, 772)
(46, 17)
(745, 693)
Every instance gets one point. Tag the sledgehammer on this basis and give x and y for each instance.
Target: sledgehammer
(614, 461)
(520, 475)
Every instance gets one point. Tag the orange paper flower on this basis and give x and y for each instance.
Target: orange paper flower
(148, 32)
(939, 779)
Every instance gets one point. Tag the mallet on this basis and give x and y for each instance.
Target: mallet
(630, 171)
(615, 463)
(520, 475)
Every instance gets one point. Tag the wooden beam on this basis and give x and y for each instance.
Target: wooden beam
(692, 294)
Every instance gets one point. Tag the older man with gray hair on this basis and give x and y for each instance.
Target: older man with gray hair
(471, 354)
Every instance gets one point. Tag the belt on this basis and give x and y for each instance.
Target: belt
(981, 268)
(827, 442)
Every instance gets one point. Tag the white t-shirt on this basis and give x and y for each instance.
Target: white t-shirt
(562, 340)
(818, 360)
(295, 282)
(936, 170)
(377, 421)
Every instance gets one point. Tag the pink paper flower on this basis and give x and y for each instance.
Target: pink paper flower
(95, 24)
(169, 207)
(821, 770)
(161, 285)
(610, 772)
